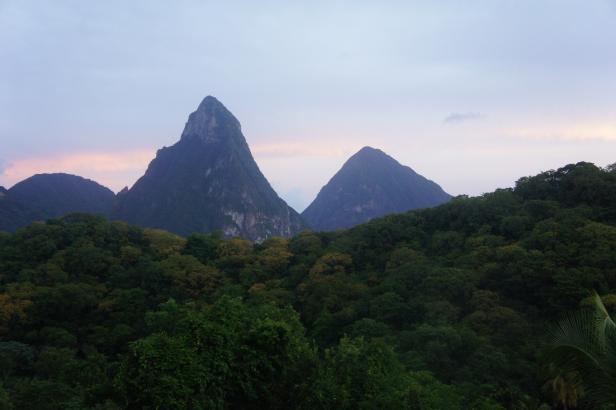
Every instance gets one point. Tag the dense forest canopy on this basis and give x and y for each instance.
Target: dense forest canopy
(443, 308)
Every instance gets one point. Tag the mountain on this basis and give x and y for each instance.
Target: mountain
(13, 214)
(44, 196)
(59, 194)
(370, 184)
(208, 181)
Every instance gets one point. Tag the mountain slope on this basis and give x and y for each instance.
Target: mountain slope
(45, 196)
(13, 214)
(59, 194)
(208, 181)
(370, 184)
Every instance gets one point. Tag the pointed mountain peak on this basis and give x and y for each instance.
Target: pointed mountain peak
(208, 181)
(210, 102)
(210, 122)
(370, 184)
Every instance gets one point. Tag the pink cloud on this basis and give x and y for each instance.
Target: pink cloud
(114, 169)
(117, 169)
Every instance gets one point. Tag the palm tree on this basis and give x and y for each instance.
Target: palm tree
(585, 344)
(565, 388)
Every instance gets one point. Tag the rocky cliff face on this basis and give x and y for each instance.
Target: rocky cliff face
(208, 181)
(370, 184)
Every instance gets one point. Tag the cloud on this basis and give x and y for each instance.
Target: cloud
(114, 169)
(459, 117)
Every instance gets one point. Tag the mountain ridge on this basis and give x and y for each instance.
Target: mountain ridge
(209, 181)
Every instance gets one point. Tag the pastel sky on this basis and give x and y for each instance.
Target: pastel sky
(471, 94)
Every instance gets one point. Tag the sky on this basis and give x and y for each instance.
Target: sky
(473, 94)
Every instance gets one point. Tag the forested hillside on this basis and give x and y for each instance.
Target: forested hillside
(44, 196)
(443, 308)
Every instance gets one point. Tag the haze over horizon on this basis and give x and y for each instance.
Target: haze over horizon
(470, 96)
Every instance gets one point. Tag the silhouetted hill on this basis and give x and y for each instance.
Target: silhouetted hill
(370, 184)
(44, 196)
(13, 214)
(59, 194)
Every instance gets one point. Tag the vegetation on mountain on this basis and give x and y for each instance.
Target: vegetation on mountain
(208, 181)
(370, 184)
(441, 308)
(44, 196)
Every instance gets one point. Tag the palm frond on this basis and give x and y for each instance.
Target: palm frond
(585, 343)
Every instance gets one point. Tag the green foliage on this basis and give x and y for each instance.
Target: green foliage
(361, 374)
(225, 353)
(441, 308)
(584, 354)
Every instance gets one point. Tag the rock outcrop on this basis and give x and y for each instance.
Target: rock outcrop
(208, 181)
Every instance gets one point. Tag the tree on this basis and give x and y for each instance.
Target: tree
(11, 309)
(164, 243)
(275, 256)
(585, 343)
(203, 246)
(189, 277)
(162, 372)
(564, 387)
(361, 374)
(5, 400)
(228, 355)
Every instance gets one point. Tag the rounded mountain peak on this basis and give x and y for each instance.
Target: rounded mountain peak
(368, 150)
(368, 156)
(210, 122)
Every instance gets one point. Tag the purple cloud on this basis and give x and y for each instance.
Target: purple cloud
(458, 117)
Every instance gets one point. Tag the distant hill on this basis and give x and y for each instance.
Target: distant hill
(370, 184)
(208, 181)
(59, 194)
(13, 215)
(44, 196)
